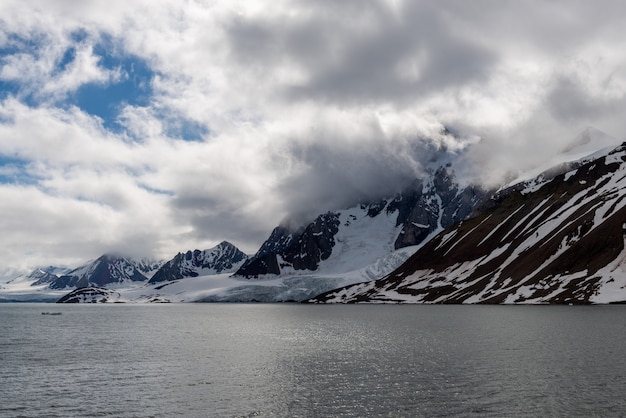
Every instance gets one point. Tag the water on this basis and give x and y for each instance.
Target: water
(291, 360)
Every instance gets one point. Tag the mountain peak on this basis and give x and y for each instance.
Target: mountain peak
(107, 268)
(223, 258)
(588, 145)
(589, 141)
(225, 244)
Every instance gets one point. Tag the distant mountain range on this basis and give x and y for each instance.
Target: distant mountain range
(110, 269)
(554, 235)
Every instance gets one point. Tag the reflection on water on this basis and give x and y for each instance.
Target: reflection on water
(300, 360)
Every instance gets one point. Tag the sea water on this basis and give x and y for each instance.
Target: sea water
(289, 360)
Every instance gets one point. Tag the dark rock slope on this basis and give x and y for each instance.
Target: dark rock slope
(558, 240)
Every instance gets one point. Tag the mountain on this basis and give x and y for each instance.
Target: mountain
(552, 239)
(46, 275)
(352, 238)
(41, 276)
(223, 258)
(107, 269)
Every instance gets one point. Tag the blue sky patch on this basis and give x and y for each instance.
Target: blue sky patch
(15, 171)
(106, 100)
(156, 191)
(70, 54)
(185, 129)
(10, 88)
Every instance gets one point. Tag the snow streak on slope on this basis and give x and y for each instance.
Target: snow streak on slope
(612, 284)
(556, 241)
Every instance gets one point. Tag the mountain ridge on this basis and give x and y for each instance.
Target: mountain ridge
(105, 270)
(223, 258)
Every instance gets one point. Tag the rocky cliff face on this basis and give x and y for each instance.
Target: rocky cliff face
(548, 240)
(223, 258)
(433, 203)
(300, 250)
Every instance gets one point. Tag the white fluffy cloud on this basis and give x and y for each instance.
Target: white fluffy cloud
(257, 110)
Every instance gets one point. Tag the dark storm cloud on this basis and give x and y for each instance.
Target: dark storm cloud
(569, 102)
(212, 220)
(550, 26)
(363, 55)
(371, 65)
(335, 174)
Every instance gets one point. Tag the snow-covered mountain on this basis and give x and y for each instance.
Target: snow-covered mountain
(552, 239)
(107, 269)
(345, 240)
(223, 258)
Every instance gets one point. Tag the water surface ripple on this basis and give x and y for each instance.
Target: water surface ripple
(231, 360)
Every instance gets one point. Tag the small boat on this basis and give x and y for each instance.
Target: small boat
(51, 313)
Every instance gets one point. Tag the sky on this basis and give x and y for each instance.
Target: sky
(149, 127)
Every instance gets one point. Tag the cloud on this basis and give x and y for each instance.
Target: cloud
(244, 113)
(35, 223)
(400, 58)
